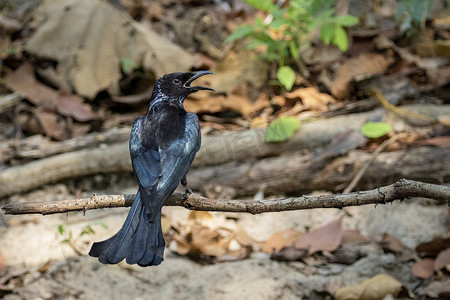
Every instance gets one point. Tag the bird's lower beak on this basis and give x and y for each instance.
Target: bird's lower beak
(195, 76)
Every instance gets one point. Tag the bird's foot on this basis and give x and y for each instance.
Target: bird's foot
(187, 193)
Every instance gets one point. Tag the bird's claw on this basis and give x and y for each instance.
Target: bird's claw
(187, 193)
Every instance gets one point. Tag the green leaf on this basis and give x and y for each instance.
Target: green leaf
(240, 32)
(340, 38)
(264, 5)
(281, 129)
(277, 23)
(327, 32)
(286, 76)
(127, 64)
(61, 229)
(320, 19)
(346, 20)
(375, 129)
(254, 44)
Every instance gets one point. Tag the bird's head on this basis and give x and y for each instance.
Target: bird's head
(175, 87)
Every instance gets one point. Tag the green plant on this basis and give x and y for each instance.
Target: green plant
(68, 238)
(375, 129)
(284, 31)
(282, 129)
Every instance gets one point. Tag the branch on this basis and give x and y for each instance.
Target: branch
(397, 191)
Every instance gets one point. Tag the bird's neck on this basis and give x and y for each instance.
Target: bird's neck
(159, 98)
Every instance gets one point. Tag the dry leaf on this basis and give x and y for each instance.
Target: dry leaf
(326, 238)
(352, 236)
(23, 81)
(365, 65)
(205, 235)
(280, 240)
(424, 268)
(238, 70)
(391, 243)
(243, 238)
(74, 106)
(434, 247)
(208, 242)
(88, 49)
(442, 260)
(259, 122)
(211, 105)
(51, 125)
(311, 98)
(375, 288)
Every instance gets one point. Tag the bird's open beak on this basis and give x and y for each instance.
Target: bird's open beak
(195, 76)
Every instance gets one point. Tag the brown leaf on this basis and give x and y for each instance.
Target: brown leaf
(74, 106)
(211, 105)
(326, 238)
(238, 70)
(88, 50)
(23, 81)
(352, 236)
(424, 268)
(51, 125)
(434, 247)
(243, 238)
(311, 98)
(281, 239)
(376, 287)
(442, 260)
(365, 65)
(391, 243)
(208, 242)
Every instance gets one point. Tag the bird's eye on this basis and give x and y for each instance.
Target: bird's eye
(176, 81)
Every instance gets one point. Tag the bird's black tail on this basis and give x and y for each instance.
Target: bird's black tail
(139, 241)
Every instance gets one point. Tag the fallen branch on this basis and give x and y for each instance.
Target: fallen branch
(299, 174)
(397, 191)
(215, 150)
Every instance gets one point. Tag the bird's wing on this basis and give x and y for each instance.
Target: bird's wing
(146, 164)
(177, 158)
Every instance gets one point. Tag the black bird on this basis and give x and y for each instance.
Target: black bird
(163, 144)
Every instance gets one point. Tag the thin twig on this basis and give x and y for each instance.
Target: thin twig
(401, 112)
(397, 191)
(367, 164)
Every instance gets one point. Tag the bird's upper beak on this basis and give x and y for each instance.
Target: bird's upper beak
(196, 75)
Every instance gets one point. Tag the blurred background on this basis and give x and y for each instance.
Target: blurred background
(311, 97)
